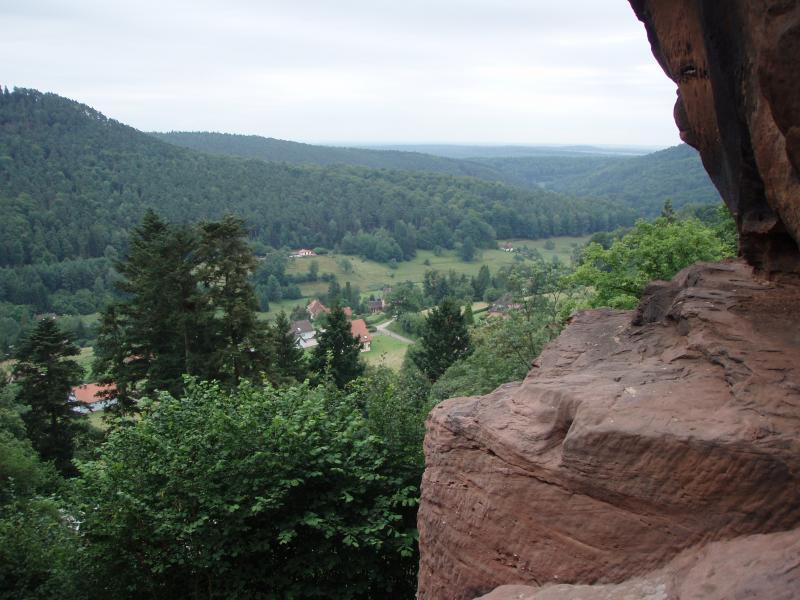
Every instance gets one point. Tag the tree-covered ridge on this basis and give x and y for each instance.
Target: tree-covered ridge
(74, 183)
(646, 182)
(642, 182)
(296, 153)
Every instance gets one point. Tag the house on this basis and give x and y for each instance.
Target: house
(503, 305)
(302, 253)
(316, 308)
(359, 330)
(507, 247)
(304, 333)
(376, 306)
(92, 396)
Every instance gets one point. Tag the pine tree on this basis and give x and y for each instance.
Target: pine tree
(45, 375)
(239, 348)
(190, 309)
(469, 318)
(338, 353)
(289, 359)
(667, 212)
(445, 340)
(481, 283)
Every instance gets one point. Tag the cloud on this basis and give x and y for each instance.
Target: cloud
(505, 71)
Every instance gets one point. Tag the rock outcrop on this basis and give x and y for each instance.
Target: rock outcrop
(758, 566)
(656, 453)
(636, 436)
(737, 67)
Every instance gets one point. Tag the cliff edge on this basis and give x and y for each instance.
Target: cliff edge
(656, 453)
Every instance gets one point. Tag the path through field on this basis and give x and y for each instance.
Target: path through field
(382, 329)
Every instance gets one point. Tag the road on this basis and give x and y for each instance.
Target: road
(382, 329)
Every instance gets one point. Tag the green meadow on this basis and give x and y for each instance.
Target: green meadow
(371, 276)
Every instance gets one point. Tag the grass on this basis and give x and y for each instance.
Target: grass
(96, 420)
(371, 276)
(84, 359)
(386, 351)
(563, 246)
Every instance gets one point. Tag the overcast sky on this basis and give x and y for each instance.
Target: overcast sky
(364, 71)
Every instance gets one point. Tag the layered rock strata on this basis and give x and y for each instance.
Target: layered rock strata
(635, 437)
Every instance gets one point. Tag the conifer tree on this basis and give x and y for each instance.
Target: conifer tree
(239, 347)
(289, 360)
(190, 309)
(45, 374)
(445, 340)
(338, 353)
(469, 318)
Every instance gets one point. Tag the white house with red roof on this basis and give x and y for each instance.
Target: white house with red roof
(359, 330)
(302, 253)
(92, 396)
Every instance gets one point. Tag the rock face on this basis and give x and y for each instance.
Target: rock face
(654, 454)
(635, 437)
(737, 67)
(758, 566)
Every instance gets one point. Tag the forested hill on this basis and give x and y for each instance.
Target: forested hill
(642, 182)
(73, 183)
(296, 153)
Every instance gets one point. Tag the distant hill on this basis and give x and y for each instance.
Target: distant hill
(459, 151)
(296, 153)
(73, 183)
(640, 181)
(645, 182)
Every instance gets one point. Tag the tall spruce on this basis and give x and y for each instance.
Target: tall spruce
(338, 353)
(189, 309)
(445, 340)
(289, 358)
(45, 374)
(240, 346)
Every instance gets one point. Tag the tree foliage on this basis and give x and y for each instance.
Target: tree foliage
(189, 309)
(257, 493)
(45, 374)
(651, 250)
(338, 352)
(444, 341)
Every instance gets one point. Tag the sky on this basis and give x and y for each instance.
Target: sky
(351, 71)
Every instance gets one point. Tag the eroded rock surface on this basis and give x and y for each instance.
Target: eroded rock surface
(636, 436)
(737, 68)
(758, 566)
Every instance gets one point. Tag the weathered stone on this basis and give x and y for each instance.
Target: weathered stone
(758, 566)
(737, 67)
(625, 445)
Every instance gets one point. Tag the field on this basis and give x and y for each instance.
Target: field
(386, 351)
(371, 276)
(85, 359)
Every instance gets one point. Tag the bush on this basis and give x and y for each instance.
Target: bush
(280, 493)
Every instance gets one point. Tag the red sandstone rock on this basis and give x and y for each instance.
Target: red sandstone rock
(737, 67)
(625, 445)
(759, 566)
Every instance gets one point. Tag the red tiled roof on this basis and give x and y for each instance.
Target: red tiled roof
(87, 394)
(359, 329)
(316, 308)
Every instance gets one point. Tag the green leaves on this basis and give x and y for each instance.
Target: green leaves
(284, 493)
(651, 250)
